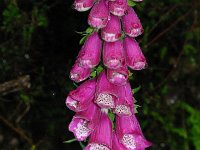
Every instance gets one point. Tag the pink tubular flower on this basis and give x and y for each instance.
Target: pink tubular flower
(105, 92)
(116, 145)
(112, 31)
(118, 76)
(84, 122)
(130, 134)
(98, 17)
(83, 5)
(124, 106)
(79, 73)
(134, 56)
(131, 23)
(101, 138)
(113, 55)
(118, 7)
(90, 53)
(80, 98)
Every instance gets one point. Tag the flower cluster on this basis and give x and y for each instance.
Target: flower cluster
(115, 26)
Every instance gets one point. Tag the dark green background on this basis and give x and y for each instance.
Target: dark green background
(38, 38)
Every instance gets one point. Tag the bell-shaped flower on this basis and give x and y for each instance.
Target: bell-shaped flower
(80, 98)
(84, 122)
(106, 92)
(101, 137)
(90, 53)
(83, 5)
(134, 56)
(113, 54)
(118, 76)
(78, 73)
(131, 23)
(124, 105)
(118, 7)
(130, 134)
(116, 145)
(112, 31)
(99, 14)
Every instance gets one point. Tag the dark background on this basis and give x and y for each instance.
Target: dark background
(38, 46)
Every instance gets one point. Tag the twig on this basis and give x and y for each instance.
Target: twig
(19, 131)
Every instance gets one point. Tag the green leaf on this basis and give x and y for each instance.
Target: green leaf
(82, 145)
(135, 108)
(112, 118)
(131, 3)
(83, 39)
(89, 30)
(70, 141)
(135, 90)
(99, 69)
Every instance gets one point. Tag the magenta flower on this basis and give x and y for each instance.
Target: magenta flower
(99, 15)
(134, 56)
(106, 92)
(124, 106)
(118, 7)
(101, 138)
(116, 145)
(83, 5)
(84, 122)
(112, 31)
(118, 76)
(113, 54)
(130, 134)
(80, 98)
(79, 73)
(131, 23)
(90, 54)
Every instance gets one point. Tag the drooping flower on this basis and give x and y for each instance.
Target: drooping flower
(78, 73)
(101, 137)
(99, 14)
(116, 145)
(131, 23)
(90, 53)
(124, 106)
(118, 7)
(130, 134)
(84, 122)
(134, 56)
(112, 31)
(113, 54)
(80, 98)
(106, 92)
(83, 5)
(118, 76)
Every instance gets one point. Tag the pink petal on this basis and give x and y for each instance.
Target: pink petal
(113, 55)
(80, 98)
(134, 56)
(83, 5)
(106, 93)
(99, 15)
(90, 53)
(118, 7)
(131, 23)
(112, 31)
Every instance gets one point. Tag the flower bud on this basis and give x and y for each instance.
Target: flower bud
(134, 56)
(112, 32)
(99, 15)
(131, 23)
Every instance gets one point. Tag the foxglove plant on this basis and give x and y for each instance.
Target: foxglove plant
(104, 104)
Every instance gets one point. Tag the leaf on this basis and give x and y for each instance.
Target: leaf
(99, 69)
(136, 107)
(135, 90)
(131, 3)
(70, 141)
(89, 30)
(112, 118)
(83, 39)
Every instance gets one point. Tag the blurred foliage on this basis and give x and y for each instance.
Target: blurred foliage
(38, 38)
